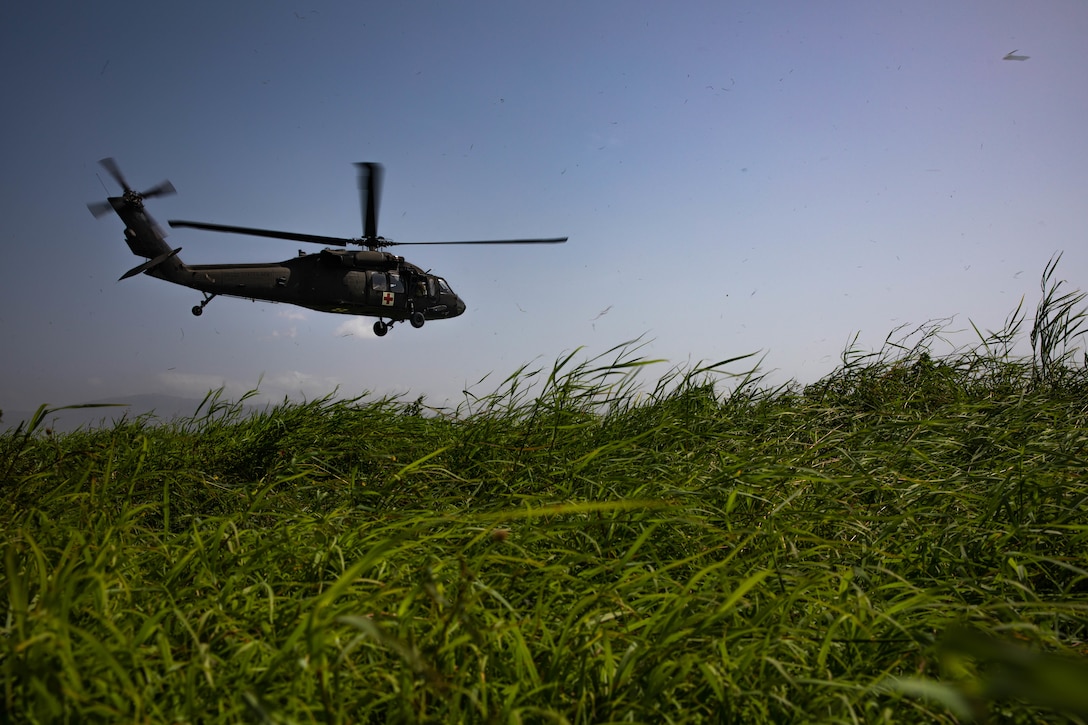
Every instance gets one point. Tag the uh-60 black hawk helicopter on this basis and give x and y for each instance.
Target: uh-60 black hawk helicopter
(367, 282)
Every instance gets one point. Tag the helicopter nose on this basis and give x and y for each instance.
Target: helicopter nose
(459, 307)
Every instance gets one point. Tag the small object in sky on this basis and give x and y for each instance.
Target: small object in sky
(1011, 55)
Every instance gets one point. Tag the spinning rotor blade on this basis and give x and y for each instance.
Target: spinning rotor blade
(100, 208)
(550, 240)
(370, 193)
(311, 238)
(163, 189)
(115, 171)
(340, 241)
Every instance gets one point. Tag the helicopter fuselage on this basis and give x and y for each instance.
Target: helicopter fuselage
(375, 284)
(369, 283)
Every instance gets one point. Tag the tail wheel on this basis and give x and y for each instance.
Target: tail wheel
(198, 310)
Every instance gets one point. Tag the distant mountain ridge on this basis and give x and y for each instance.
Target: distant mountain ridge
(163, 408)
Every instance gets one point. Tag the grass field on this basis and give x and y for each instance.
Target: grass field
(904, 541)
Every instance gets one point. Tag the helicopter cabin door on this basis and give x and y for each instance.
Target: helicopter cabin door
(388, 293)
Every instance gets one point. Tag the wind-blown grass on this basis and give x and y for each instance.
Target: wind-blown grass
(884, 545)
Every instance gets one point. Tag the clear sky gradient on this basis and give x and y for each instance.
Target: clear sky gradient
(734, 177)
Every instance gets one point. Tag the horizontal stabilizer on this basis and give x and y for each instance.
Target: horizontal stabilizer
(149, 264)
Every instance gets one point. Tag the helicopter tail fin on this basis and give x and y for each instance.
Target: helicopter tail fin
(150, 264)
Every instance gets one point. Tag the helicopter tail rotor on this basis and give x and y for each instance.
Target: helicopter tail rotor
(134, 198)
(164, 188)
(99, 208)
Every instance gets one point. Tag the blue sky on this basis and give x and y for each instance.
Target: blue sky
(735, 178)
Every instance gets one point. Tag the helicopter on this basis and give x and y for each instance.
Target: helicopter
(369, 282)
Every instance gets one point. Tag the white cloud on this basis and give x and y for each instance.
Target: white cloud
(358, 327)
(291, 314)
(290, 332)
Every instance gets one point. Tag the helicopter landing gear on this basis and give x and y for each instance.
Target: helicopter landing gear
(382, 328)
(198, 310)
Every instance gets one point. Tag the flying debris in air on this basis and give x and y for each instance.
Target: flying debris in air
(1011, 55)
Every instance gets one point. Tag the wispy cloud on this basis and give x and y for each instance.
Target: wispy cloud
(291, 314)
(357, 327)
(291, 331)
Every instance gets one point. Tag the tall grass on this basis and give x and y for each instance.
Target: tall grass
(892, 543)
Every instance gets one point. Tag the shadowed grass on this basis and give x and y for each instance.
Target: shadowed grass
(574, 547)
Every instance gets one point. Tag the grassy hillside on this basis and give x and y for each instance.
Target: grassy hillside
(905, 540)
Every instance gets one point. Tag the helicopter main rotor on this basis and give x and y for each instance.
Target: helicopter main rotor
(370, 182)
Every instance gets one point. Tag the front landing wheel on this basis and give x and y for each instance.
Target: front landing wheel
(380, 328)
(198, 310)
(417, 320)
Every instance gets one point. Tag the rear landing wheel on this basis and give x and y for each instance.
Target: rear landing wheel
(198, 310)
(380, 328)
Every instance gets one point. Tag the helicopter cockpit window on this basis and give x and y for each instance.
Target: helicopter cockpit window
(443, 286)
